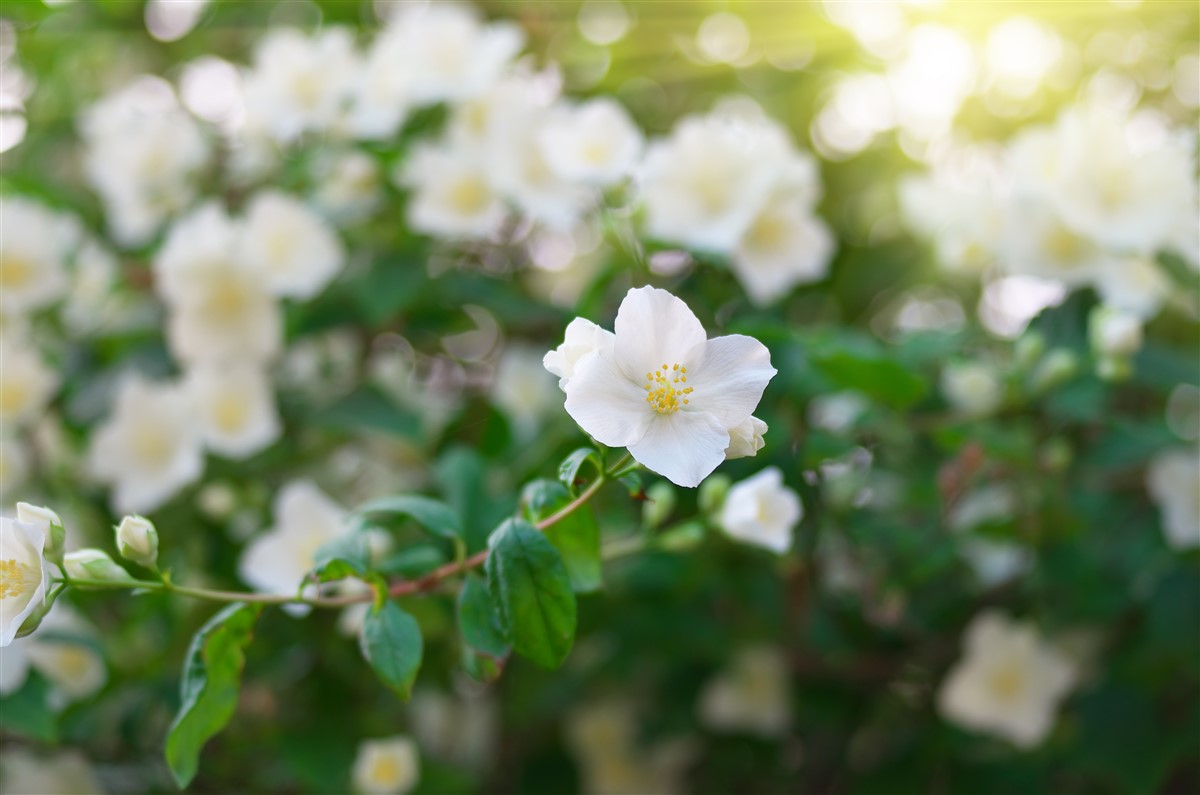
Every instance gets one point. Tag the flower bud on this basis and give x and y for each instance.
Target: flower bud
(137, 540)
(49, 523)
(660, 502)
(746, 439)
(712, 493)
(973, 388)
(93, 564)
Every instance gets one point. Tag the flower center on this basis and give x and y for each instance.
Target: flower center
(15, 272)
(665, 390)
(469, 196)
(385, 770)
(16, 578)
(1007, 683)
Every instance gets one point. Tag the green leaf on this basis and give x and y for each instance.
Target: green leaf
(531, 587)
(434, 516)
(576, 536)
(413, 561)
(881, 378)
(346, 556)
(391, 643)
(568, 470)
(370, 409)
(477, 619)
(27, 711)
(211, 680)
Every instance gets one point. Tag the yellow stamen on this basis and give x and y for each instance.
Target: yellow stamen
(664, 392)
(16, 578)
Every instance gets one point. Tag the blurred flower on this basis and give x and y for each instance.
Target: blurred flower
(348, 185)
(837, 412)
(1133, 284)
(1009, 681)
(150, 446)
(14, 465)
(452, 196)
(14, 665)
(24, 575)
(221, 305)
(605, 740)
(522, 391)
(974, 387)
(27, 383)
(140, 152)
(594, 143)
(1115, 336)
(746, 439)
(1173, 481)
(235, 407)
(785, 245)
(65, 651)
(34, 774)
(300, 83)
(383, 88)
(294, 248)
(33, 252)
(390, 766)
(278, 560)
(762, 511)
(754, 695)
(137, 540)
(674, 422)
(460, 729)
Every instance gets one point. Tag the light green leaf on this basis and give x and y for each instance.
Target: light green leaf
(391, 643)
(211, 681)
(532, 590)
(568, 470)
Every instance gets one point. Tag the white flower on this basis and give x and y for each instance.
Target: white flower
(461, 729)
(664, 390)
(140, 151)
(452, 196)
(65, 651)
(1037, 241)
(447, 54)
(581, 338)
(1173, 481)
(389, 766)
(295, 249)
(301, 83)
(221, 306)
(348, 185)
(522, 391)
(24, 575)
(1113, 332)
(594, 143)
(383, 88)
(1136, 285)
(746, 439)
(961, 214)
(1009, 681)
(26, 384)
(150, 446)
(972, 387)
(754, 695)
(786, 245)
(278, 560)
(762, 511)
(236, 408)
(837, 412)
(94, 305)
(33, 248)
(64, 771)
(137, 540)
(704, 186)
(995, 562)
(605, 740)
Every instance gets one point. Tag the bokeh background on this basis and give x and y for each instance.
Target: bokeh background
(1019, 485)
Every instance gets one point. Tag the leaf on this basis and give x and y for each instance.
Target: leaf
(568, 470)
(369, 409)
(391, 643)
(477, 619)
(531, 587)
(211, 680)
(879, 377)
(434, 516)
(346, 556)
(27, 711)
(576, 536)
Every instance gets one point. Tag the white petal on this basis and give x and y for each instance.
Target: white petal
(606, 403)
(730, 379)
(683, 448)
(654, 328)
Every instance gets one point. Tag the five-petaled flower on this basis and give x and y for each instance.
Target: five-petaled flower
(23, 575)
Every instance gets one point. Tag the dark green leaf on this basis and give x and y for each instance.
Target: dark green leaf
(346, 556)
(370, 409)
(568, 470)
(211, 680)
(477, 619)
(531, 588)
(576, 536)
(391, 643)
(881, 378)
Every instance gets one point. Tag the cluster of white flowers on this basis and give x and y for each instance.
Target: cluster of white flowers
(1088, 201)
(679, 401)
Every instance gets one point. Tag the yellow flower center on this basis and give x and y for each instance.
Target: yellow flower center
(385, 770)
(768, 233)
(1007, 683)
(1064, 247)
(230, 412)
(15, 272)
(152, 445)
(665, 390)
(14, 396)
(74, 661)
(17, 579)
(469, 196)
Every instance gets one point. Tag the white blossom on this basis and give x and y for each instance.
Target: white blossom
(150, 446)
(762, 511)
(27, 384)
(14, 465)
(1136, 285)
(581, 338)
(452, 195)
(295, 249)
(235, 407)
(65, 651)
(664, 390)
(389, 766)
(784, 246)
(24, 575)
(63, 771)
(595, 143)
(522, 391)
(753, 695)
(1009, 681)
(746, 439)
(972, 387)
(1173, 481)
(33, 253)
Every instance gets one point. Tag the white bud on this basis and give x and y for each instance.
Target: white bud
(49, 523)
(746, 439)
(93, 564)
(137, 540)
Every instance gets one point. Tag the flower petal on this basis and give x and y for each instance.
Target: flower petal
(683, 448)
(654, 328)
(606, 403)
(730, 378)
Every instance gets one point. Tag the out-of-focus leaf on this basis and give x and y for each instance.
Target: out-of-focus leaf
(477, 618)
(433, 515)
(346, 556)
(369, 409)
(27, 711)
(576, 536)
